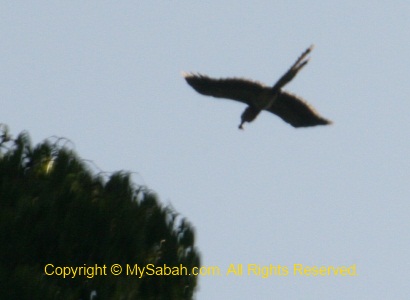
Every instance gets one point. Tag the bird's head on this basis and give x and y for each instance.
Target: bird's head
(249, 115)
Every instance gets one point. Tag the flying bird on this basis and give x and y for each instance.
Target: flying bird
(258, 97)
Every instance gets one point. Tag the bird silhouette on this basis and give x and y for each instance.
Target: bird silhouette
(291, 108)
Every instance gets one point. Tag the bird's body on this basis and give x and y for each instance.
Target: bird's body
(258, 97)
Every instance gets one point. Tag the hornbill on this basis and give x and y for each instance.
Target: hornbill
(258, 97)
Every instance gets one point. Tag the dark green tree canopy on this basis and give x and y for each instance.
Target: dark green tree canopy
(55, 210)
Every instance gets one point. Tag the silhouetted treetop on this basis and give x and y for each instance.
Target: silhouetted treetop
(55, 210)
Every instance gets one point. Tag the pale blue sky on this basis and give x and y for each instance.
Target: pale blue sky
(107, 76)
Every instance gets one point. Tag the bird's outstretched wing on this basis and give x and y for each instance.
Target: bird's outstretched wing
(296, 111)
(242, 90)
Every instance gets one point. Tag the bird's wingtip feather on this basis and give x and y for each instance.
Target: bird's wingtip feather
(188, 75)
(185, 74)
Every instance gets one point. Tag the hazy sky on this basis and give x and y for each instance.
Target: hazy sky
(107, 76)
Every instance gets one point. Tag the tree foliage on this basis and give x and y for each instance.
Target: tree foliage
(55, 210)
